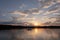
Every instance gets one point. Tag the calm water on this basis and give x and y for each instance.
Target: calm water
(30, 34)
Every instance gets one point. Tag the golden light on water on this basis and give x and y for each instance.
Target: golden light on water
(37, 31)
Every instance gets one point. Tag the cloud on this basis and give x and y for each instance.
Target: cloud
(5, 18)
(23, 5)
(46, 11)
(45, 3)
(58, 1)
(54, 7)
(33, 11)
(18, 16)
(50, 9)
(30, 11)
(47, 15)
(19, 13)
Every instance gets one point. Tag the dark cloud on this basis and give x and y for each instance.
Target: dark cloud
(30, 11)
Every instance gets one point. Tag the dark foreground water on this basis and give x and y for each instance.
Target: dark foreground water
(30, 34)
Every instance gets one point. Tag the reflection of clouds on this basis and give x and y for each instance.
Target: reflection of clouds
(37, 34)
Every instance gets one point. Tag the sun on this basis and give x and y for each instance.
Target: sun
(37, 24)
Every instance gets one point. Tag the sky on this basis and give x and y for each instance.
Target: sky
(31, 11)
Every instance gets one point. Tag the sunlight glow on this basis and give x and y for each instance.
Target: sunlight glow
(35, 23)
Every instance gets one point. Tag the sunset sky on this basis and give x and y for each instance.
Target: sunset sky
(31, 11)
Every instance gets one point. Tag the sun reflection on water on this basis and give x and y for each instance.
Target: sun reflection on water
(36, 30)
(37, 33)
